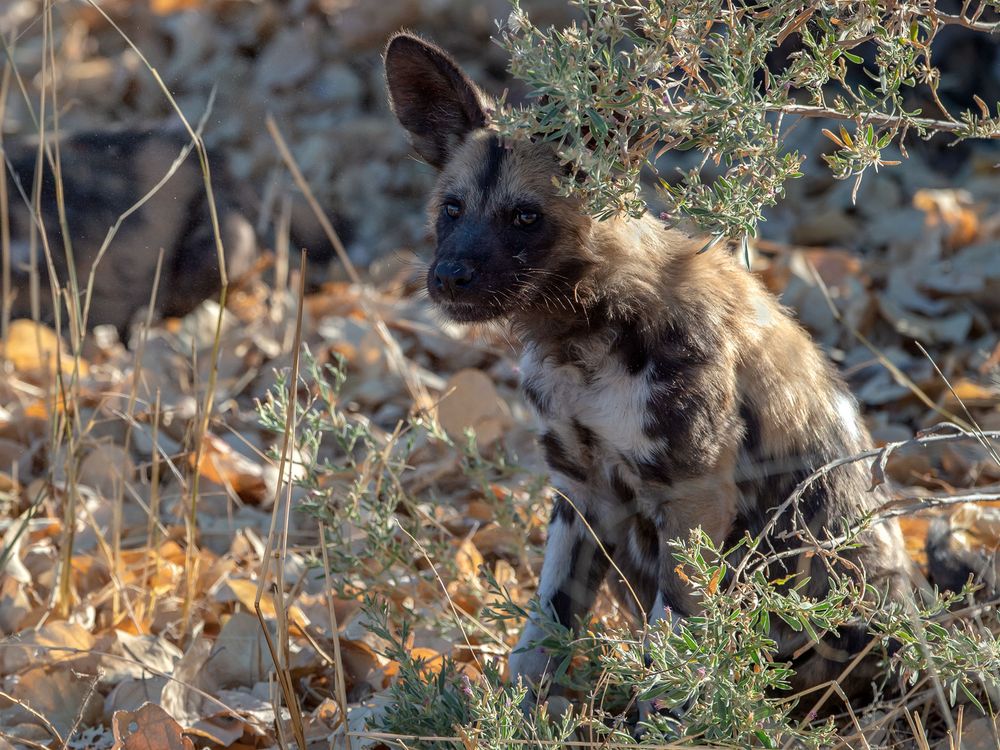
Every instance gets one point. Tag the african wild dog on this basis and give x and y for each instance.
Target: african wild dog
(104, 175)
(672, 389)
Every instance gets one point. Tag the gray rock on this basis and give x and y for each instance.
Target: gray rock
(337, 85)
(290, 57)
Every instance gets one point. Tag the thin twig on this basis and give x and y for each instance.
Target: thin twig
(283, 675)
(395, 355)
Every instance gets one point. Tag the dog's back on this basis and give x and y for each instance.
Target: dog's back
(103, 176)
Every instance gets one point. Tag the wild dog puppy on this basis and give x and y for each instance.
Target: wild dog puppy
(104, 173)
(672, 390)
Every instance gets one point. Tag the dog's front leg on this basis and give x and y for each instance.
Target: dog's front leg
(662, 610)
(703, 504)
(574, 567)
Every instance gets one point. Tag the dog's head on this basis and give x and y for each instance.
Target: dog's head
(507, 242)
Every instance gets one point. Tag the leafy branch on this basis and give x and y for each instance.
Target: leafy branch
(638, 78)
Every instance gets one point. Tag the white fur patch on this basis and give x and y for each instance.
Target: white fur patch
(848, 414)
(764, 313)
(558, 558)
(610, 402)
(529, 661)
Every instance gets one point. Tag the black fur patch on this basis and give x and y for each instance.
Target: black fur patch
(563, 511)
(690, 405)
(675, 595)
(541, 402)
(492, 164)
(558, 460)
(622, 489)
(586, 436)
(655, 470)
(633, 348)
(743, 523)
(752, 436)
(850, 639)
(588, 566)
(646, 540)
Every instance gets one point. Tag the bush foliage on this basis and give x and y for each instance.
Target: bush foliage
(636, 79)
(715, 679)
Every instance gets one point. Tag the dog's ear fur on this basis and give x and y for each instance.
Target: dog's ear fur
(431, 96)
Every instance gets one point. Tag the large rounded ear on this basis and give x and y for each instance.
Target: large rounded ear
(431, 96)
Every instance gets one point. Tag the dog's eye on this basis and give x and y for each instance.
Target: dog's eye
(453, 209)
(525, 218)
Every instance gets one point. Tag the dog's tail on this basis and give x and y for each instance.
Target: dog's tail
(953, 557)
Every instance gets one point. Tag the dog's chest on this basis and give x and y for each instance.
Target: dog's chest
(593, 413)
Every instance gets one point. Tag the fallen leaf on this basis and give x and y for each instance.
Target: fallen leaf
(132, 692)
(246, 593)
(361, 664)
(35, 349)
(143, 654)
(982, 523)
(952, 211)
(59, 695)
(224, 466)
(106, 470)
(914, 530)
(471, 401)
(56, 641)
(980, 734)
(499, 541)
(148, 728)
(14, 604)
(12, 455)
(433, 662)
(971, 394)
(240, 656)
(468, 559)
(186, 696)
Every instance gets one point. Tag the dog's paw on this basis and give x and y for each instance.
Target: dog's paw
(530, 665)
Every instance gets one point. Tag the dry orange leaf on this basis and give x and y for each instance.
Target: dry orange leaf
(64, 698)
(336, 298)
(970, 393)
(914, 530)
(148, 728)
(982, 522)
(713, 585)
(166, 7)
(33, 348)
(222, 465)
(498, 540)
(359, 662)
(479, 510)
(468, 559)
(172, 552)
(464, 598)
(950, 208)
(246, 592)
(433, 661)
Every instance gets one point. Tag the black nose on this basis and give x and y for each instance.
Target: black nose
(451, 276)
